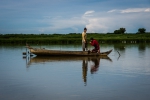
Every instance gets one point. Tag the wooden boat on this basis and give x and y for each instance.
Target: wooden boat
(45, 52)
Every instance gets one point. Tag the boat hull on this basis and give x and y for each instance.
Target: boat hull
(44, 52)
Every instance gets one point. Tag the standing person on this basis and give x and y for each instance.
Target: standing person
(84, 40)
(96, 45)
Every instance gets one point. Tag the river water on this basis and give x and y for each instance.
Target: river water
(117, 77)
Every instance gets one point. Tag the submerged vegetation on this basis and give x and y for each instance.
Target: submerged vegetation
(72, 38)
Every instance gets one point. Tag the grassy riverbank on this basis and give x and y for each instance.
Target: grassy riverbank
(73, 38)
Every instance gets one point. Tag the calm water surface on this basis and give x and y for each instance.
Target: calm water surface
(125, 77)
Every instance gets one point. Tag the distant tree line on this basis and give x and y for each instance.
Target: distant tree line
(122, 31)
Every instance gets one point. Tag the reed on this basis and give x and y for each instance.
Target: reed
(72, 38)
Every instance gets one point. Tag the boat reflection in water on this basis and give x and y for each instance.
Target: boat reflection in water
(94, 63)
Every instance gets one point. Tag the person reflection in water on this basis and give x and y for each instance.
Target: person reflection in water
(94, 68)
(84, 71)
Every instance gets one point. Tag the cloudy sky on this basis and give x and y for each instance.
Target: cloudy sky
(71, 16)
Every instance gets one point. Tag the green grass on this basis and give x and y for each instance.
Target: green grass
(71, 38)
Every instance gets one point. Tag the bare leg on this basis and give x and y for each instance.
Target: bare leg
(83, 49)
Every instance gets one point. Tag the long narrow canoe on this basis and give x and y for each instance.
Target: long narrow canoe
(45, 52)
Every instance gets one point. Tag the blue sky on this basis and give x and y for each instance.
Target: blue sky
(71, 16)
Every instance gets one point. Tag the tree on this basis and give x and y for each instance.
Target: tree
(141, 30)
(117, 32)
(120, 31)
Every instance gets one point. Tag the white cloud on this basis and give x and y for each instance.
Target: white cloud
(108, 22)
(100, 22)
(89, 13)
(60, 23)
(96, 25)
(130, 10)
(147, 10)
(114, 10)
(67, 19)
